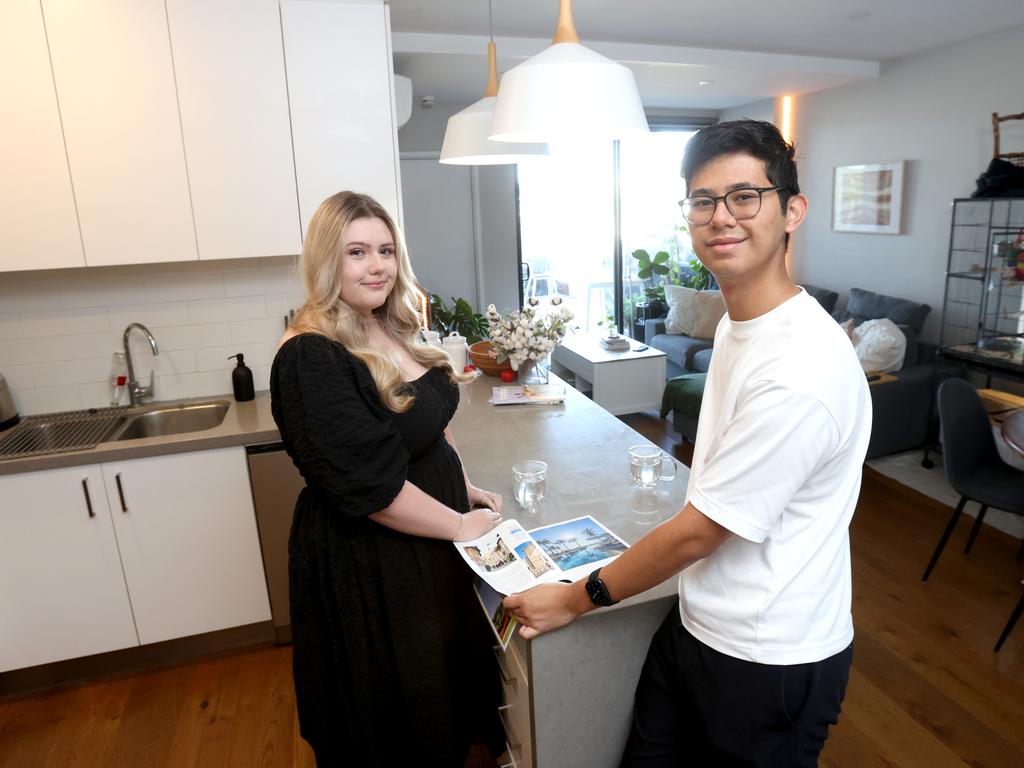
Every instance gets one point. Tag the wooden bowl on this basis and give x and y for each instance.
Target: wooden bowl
(484, 358)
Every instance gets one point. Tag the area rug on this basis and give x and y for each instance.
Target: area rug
(905, 468)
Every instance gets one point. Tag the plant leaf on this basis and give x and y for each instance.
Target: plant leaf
(660, 269)
(661, 257)
(640, 254)
(644, 273)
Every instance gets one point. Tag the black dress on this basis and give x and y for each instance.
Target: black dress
(392, 656)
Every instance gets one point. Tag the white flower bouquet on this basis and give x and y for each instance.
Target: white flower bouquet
(527, 335)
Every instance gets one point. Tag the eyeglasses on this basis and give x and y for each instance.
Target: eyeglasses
(743, 203)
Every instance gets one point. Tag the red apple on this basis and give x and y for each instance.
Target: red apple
(508, 375)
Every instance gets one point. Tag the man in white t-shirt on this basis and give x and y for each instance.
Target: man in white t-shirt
(752, 666)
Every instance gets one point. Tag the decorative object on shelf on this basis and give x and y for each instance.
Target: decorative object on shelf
(458, 318)
(466, 139)
(526, 337)
(484, 356)
(567, 91)
(868, 198)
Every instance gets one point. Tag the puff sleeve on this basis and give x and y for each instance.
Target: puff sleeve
(334, 427)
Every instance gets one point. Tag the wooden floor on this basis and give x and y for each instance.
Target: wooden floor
(926, 690)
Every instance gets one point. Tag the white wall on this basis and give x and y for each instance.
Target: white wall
(755, 110)
(59, 328)
(494, 188)
(932, 110)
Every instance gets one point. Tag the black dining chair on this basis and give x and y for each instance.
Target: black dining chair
(1009, 625)
(973, 465)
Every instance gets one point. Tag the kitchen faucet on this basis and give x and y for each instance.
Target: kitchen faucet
(136, 392)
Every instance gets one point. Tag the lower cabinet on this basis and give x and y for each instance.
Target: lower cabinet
(62, 592)
(103, 557)
(187, 533)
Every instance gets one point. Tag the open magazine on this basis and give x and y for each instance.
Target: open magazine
(509, 559)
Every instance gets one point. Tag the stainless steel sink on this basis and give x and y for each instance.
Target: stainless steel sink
(158, 421)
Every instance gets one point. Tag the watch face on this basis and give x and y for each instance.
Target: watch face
(598, 593)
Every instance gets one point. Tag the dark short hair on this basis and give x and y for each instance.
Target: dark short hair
(756, 138)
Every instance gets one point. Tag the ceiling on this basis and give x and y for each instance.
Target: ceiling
(766, 48)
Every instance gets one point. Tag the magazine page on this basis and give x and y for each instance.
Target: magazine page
(502, 622)
(578, 546)
(535, 394)
(507, 559)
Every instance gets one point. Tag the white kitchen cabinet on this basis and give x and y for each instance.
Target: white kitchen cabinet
(38, 222)
(187, 533)
(342, 103)
(62, 591)
(229, 67)
(115, 87)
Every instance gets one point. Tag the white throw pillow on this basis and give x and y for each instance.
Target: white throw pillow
(880, 345)
(680, 302)
(708, 310)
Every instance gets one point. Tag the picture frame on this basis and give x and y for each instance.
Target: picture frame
(868, 198)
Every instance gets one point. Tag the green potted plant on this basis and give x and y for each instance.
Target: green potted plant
(458, 317)
(647, 267)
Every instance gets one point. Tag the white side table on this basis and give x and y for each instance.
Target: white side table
(623, 382)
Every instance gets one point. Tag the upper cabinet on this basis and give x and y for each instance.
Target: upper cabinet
(229, 65)
(38, 223)
(173, 130)
(340, 86)
(115, 86)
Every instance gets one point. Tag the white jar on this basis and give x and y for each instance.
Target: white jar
(433, 338)
(455, 346)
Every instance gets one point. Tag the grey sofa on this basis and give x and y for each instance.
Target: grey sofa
(903, 411)
(685, 354)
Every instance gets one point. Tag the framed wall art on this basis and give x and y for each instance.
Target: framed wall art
(868, 198)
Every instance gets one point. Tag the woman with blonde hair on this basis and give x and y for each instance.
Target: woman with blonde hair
(392, 658)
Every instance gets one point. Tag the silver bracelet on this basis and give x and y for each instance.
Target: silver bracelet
(462, 520)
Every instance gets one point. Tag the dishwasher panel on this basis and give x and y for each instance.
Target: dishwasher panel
(276, 485)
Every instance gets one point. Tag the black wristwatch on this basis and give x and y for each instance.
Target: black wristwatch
(597, 591)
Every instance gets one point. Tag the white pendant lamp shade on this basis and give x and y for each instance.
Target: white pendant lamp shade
(466, 142)
(567, 92)
(465, 137)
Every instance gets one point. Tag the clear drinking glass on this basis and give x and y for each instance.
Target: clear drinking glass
(647, 465)
(529, 482)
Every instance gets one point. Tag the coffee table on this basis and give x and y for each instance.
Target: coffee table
(622, 382)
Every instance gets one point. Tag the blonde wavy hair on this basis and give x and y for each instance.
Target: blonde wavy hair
(325, 313)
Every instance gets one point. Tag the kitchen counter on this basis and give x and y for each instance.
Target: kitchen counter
(569, 693)
(247, 423)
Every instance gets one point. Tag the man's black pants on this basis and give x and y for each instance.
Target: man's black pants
(696, 706)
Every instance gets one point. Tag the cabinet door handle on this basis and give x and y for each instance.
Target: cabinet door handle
(120, 491)
(88, 501)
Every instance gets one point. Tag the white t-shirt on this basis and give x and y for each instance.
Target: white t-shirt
(783, 430)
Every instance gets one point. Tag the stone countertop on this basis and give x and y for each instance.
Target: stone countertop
(586, 450)
(247, 423)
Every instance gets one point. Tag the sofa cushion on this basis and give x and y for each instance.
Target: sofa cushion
(708, 310)
(679, 349)
(825, 297)
(680, 300)
(865, 305)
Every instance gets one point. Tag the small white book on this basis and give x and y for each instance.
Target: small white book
(537, 394)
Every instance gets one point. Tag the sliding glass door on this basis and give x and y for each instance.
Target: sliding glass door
(571, 232)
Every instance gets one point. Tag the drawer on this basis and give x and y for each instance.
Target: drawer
(515, 711)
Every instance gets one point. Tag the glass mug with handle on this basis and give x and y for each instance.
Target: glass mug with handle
(529, 483)
(647, 465)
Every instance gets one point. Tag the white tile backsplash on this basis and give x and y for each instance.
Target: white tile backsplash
(59, 328)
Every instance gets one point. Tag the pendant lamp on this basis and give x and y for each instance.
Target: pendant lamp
(465, 138)
(567, 92)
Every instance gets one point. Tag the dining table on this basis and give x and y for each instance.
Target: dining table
(1012, 429)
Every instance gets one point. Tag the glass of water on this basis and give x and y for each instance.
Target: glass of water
(648, 464)
(530, 483)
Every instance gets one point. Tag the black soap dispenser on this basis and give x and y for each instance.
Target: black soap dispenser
(241, 380)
